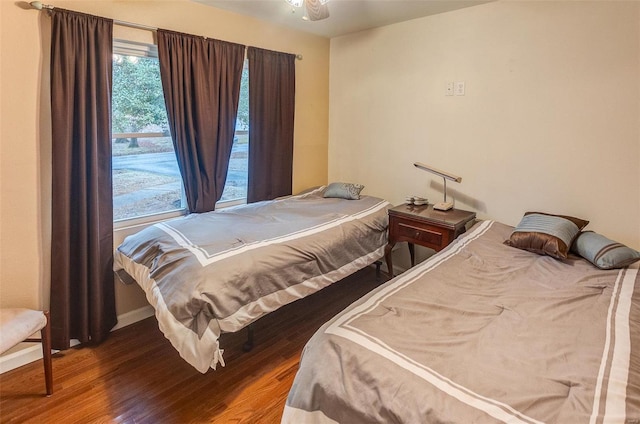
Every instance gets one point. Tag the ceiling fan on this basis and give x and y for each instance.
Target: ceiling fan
(316, 10)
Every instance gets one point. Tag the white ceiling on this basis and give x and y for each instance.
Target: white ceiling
(346, 16)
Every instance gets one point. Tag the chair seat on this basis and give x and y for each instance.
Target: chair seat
(18, 324)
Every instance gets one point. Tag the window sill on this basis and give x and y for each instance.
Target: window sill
(130, 226)
(144, 221)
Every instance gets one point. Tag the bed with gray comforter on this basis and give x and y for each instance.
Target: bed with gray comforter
(217, 272)
(480, 333)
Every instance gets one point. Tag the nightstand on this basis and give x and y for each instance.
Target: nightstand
(424, 226)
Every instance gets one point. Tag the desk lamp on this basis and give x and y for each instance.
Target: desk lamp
(444, 205)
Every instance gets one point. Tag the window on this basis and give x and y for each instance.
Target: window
(147, 185)
(235, 189)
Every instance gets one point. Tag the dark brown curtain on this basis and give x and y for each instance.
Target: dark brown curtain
(271, 112)
(201, 82)
(82, 286)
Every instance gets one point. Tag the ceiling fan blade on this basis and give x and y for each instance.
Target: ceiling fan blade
(316, 10)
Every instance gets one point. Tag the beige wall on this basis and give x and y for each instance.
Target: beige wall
(25, 153)
(549, 121)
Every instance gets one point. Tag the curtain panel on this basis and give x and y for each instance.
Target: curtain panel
(201, 83)
(271, 115)
(82, 284)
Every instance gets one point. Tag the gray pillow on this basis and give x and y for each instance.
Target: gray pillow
(602, 252)
(344, 191)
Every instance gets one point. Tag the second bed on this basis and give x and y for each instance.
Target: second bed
(206, 274)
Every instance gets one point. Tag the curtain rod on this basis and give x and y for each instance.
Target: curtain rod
(40, 6)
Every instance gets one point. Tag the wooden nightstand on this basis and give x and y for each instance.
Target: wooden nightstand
(424, 226)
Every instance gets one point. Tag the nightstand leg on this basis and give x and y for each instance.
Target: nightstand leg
(387, 258)
(412, 253)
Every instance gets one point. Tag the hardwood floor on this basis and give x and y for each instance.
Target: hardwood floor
(136, 376)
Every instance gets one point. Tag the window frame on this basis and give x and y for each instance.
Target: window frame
(135, 48)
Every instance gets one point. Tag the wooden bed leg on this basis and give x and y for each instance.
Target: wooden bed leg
(248, 345)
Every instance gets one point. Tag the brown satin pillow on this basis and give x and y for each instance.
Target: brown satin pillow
(546, 234)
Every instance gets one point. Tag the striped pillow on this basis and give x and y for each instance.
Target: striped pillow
(546, 234)
(602, 252)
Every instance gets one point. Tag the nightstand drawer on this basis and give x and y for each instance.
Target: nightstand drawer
(425, 234)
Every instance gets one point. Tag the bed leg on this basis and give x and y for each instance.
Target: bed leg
(378, 263)
(248, 345)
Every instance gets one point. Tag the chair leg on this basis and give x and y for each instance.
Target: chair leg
(46, 354)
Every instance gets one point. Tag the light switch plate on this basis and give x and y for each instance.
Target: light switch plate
(449, 89)
(459, 88)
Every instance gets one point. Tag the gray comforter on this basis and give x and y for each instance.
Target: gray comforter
(480, 333)
(219, 271)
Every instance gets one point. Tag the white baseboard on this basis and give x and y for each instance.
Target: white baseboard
(20, 358)
(33, 353)
(131, 317)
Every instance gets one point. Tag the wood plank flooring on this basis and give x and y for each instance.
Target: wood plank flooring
(136, 376)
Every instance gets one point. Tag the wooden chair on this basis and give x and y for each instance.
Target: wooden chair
(17, 325)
